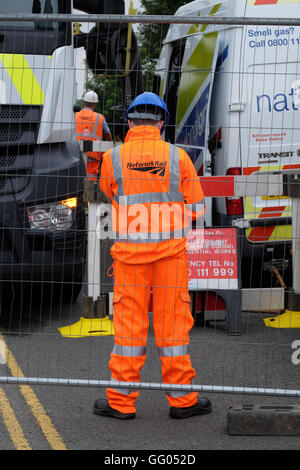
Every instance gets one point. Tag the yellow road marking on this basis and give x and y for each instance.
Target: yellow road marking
(35, 406)
(12, 424)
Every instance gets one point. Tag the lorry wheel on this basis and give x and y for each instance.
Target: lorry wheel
(70, 293)
(67, 293)
(61, 293)
(56, 293)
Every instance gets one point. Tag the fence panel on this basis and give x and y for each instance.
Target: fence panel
(230, 84)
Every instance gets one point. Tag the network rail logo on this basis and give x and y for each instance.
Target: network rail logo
(2, 352)
(155, 168)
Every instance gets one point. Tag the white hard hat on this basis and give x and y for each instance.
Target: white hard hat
(90, 97)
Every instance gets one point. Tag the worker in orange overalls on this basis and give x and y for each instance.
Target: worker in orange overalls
(91, 126)
(155, 194)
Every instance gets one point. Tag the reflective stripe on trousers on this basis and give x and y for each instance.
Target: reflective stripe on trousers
(127, 351)
(169, 351)
(172, 321)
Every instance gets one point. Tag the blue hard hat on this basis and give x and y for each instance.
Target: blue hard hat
(148, 99)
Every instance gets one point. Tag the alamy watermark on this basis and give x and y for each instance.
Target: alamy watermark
(153, 222)
(295, 91)
(296, 354)
(2, 352)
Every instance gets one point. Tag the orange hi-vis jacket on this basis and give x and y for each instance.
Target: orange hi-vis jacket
(89, 126)
(155, 194)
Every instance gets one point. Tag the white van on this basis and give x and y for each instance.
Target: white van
(234, 97)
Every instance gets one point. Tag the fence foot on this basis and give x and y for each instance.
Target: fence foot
(88, 327)
(233, 305)
(259, 420)
(233, 302)
(93, 323)
(288, 319)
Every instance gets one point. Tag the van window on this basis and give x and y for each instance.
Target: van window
(173, 82)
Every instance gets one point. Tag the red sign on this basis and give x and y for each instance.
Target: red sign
(212, 258)
(266, 2)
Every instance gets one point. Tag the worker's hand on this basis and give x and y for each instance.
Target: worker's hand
(108, 136)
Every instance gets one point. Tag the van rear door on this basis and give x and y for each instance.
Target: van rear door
(270, 133)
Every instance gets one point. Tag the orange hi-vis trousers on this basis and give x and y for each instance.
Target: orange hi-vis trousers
(172, 321)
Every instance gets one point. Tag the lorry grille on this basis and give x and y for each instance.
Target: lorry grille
(19, 124)
(15, 167)
(14, 133)
(13, 112)
(2, 183)
(7, 160)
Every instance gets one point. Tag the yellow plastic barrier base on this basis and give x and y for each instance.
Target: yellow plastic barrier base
(288, 319)
(88, 327)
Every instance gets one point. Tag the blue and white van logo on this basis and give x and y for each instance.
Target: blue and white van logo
(279, 102)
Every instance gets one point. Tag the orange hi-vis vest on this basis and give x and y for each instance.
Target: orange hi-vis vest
(89, 127)
(155, 194)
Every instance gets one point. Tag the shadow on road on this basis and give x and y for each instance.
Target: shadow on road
(27, 307)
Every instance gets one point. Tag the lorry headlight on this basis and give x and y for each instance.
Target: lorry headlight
(55, 216)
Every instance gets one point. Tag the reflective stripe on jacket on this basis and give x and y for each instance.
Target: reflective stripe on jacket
(155, 193)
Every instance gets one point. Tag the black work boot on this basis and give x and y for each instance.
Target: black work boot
(202, 407)
(102, 408)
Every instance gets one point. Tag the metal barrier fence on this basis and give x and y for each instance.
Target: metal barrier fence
(233, 97)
